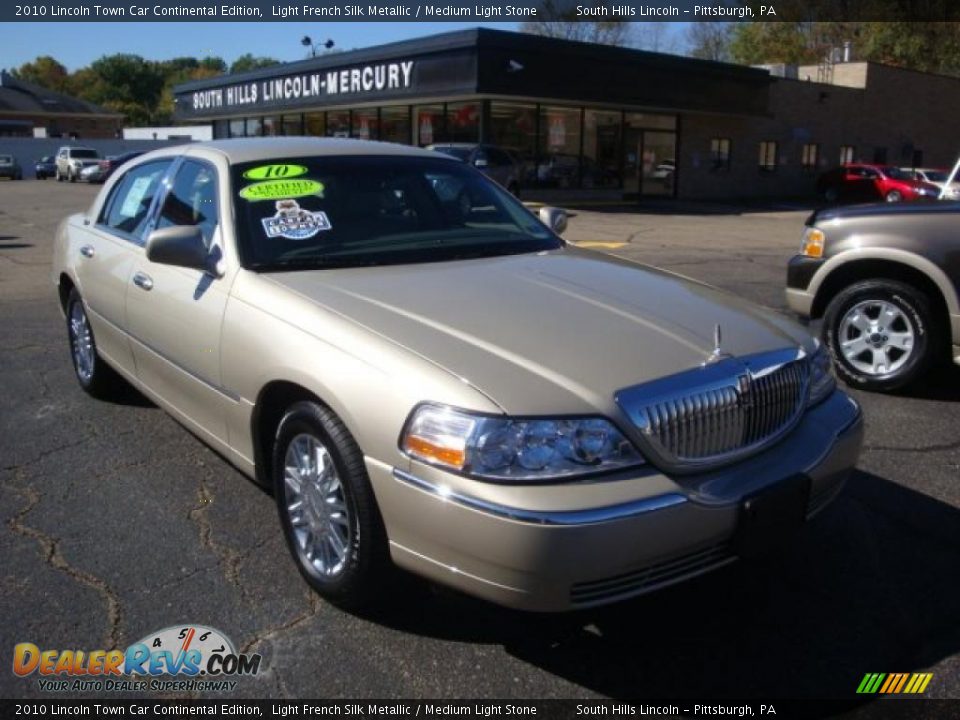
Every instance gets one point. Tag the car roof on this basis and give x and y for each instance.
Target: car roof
(241, 150)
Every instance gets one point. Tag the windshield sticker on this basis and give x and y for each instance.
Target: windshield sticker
(281, 189)
(294, 223)
(272, 172)
(133, 202)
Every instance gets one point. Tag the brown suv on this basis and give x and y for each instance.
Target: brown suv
(885, 279)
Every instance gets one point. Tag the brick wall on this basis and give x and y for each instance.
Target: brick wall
(899, 110)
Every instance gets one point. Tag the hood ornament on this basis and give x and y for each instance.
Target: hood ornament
(717, 354)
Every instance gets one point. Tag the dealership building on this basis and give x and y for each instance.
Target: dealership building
(594, 121)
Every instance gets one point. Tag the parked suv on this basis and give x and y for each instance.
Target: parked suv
(498, 164)
(886, 280)
(9, 168)
(856, 182)
(72, 160)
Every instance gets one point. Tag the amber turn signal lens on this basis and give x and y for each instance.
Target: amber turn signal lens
(813, 241)
(426, 450)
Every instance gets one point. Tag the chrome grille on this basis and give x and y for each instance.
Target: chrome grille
(712, 414)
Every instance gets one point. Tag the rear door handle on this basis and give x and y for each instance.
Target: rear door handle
(87, 251)
(142, 280)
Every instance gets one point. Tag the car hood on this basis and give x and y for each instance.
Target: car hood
(547, 332)
(882, 210)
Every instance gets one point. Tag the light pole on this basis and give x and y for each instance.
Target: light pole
(307, 42)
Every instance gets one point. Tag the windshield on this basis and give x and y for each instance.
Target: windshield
(6, 159)
(319, 212)
(896, 173)
(84, 153)
(935, 176)
(457, 151)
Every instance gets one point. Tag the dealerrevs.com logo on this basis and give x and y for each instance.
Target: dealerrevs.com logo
(198, 657)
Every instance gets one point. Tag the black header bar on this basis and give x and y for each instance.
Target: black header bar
(482, 11)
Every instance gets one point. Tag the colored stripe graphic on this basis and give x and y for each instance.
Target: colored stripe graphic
(894, 683)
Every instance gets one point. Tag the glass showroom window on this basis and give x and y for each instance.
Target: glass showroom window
(238, 127)
(514, 127)
(720, 153)
(768, 156)
(365, 124)
(315, 124)
(428, 124)
(395, 124)
(809, 156)
(293, 125)
(847, 153)
(463, 122)
(601, 149)
(271, 126)
(558, 163)
(254, 127)
(338, 123)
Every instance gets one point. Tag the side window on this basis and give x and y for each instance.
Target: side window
(192, 199)
(127, 208)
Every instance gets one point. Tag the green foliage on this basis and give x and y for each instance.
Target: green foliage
(46, 72)
(140, 89)
(925, 46)
(247, 62)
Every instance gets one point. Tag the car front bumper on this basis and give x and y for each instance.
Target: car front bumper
(556, 549)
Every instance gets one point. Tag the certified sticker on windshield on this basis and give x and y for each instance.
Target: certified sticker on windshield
(293, 222)
(274, 172)
(281, 189)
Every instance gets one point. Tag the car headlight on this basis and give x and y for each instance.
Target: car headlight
(503, 448)
(822, 380)
(812, 243)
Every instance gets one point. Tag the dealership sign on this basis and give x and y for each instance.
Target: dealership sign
(299, 87)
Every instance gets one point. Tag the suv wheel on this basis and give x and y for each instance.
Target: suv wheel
(58, 175)
(327, 509)
(879, 334)
(71, 176)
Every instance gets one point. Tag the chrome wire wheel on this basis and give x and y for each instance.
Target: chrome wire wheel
(316, 506)
(81, 343)
(876, 337)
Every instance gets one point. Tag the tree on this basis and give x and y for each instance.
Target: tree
(130, 85)
(710, 40)
(46, 72)
(560, 21)
(653, 36)
(248, 62)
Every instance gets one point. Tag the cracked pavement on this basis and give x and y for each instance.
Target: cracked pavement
(116, 522)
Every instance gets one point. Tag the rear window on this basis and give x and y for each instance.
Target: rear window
(320, 212)
(84, 154)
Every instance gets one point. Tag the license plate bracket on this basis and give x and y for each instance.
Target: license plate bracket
(771, 517)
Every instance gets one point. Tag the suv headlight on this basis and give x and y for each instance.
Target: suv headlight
(812, 243)
(504, 448)
(822, 380)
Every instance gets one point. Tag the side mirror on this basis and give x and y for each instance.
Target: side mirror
(480, 162)
(183, 246)
(554, 218)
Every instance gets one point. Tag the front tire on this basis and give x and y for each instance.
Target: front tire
(71, 176)
(96, 378)
(894, 196)
(881, 334)
(327, 509)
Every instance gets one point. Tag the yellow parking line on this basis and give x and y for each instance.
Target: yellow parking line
(606, 245)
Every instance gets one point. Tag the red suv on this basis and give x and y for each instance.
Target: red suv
(857, 182)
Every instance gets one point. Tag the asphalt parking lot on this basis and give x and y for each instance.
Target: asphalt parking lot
(117, 522)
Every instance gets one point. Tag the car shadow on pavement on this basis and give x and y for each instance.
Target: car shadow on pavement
(869, 586)
(941, 384)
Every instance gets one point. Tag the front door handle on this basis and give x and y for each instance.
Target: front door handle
(87, 251)
(142, 280)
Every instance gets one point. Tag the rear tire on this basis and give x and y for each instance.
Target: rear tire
(327, 509)
(881, 334)
(96, 378)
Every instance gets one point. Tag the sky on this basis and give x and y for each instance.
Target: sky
(78, 44)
